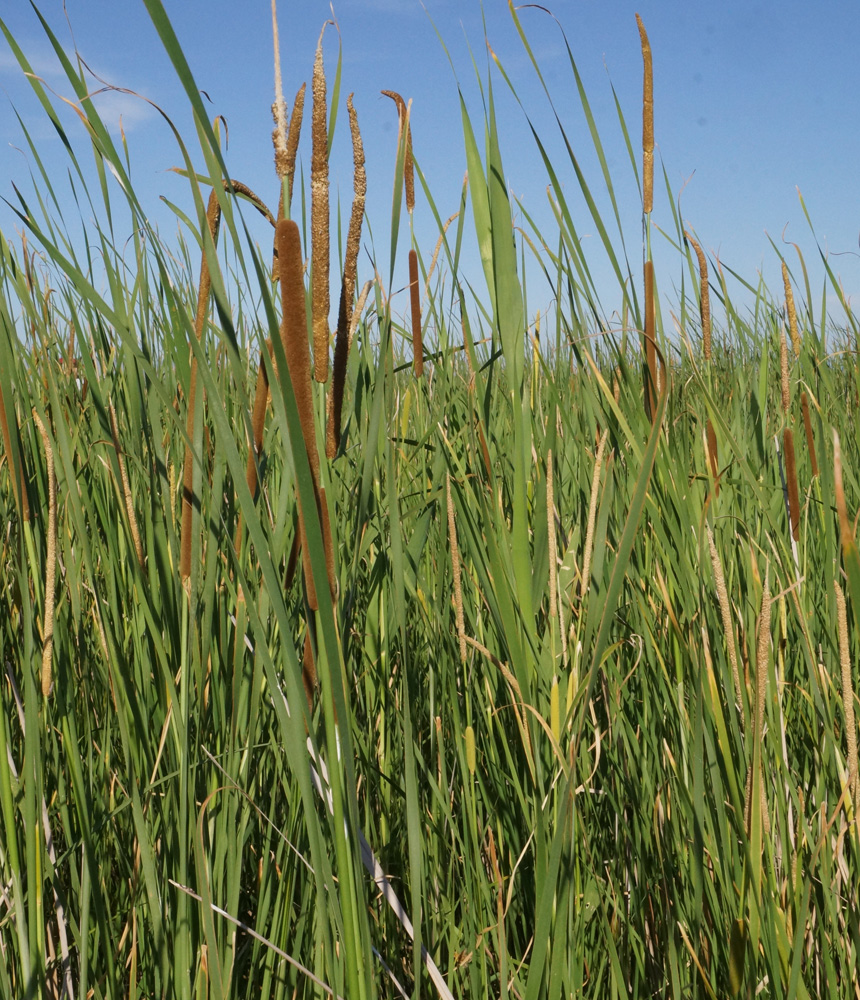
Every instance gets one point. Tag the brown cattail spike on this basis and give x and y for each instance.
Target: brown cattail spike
(650, 343)
(294, 336)
(347, 289)
(810, 440)
(647, 122)
(415, 302)
(784, 384)
(319, 220)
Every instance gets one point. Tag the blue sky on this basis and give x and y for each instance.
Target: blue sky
(752, 102)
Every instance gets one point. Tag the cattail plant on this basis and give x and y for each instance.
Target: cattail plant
(415, 303)
(788, 443)
(285, 136)
(647, 121)
(651, 387)
(810, 440)
(791, 311)
(347, 290)
(295, 342)
(319, 219)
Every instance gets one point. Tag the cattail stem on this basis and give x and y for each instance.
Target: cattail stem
(51, 563)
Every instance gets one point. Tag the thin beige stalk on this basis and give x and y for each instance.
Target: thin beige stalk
(51, 564)
(790, 309)
(435, 256)
(319, 219)
(647, 121)
(726, 615)
(126, 487)
(455, 563)
(585, 579)
(359, 309)
(285, 162)
(847, 692)
(279, 108)
(347, 290)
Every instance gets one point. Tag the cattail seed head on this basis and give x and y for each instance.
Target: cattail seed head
(647, 121)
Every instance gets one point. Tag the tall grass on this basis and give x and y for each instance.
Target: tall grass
(544, 713)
